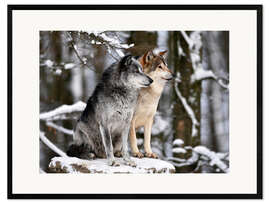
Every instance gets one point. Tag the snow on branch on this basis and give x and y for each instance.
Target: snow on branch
(177, 160)
(178, 142)
(74, 46)
(188, 109)
(111, 41)
(202, 74)
(57, 68)
(195, 43)
(213, 157)
(202, 156)
(61, 112)
(49, 144)
(190, 161)
(179, 150)
(83, 60)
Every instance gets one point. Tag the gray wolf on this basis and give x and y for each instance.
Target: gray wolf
(103, 127)
(154, 66)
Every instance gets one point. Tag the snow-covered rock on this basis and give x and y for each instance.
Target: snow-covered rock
(75, 165)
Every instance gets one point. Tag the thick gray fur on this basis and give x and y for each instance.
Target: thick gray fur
(104, 125)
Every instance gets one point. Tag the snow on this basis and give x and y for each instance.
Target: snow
(178, 142)
(179, 150)
(214, 159)
(58, 72)
(49, 63)
(119, 52)
(69, 66)
(79, 106)
(201, 74)
(111, 40)
(144, 165)
(195, 43)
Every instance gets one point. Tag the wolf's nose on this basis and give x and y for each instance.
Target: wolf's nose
(150, 80)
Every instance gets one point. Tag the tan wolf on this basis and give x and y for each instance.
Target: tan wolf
(155, 67)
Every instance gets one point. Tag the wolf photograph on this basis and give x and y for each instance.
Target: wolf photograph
(134, 102)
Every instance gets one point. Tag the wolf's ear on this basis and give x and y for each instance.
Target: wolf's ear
(148, 56)
(163, 53)
(126, 61)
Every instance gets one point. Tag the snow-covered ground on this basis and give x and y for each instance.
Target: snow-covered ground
(75, 165)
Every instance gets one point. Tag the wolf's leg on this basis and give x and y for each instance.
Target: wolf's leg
(133, 141)
(107, 142)
(147, 139)
(81, 146)
(125, 154)
(117, 146)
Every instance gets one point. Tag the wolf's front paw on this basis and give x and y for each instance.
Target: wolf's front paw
(151, 155)
(138, 154)
(88, 156)
(118, 154)
(113, 162)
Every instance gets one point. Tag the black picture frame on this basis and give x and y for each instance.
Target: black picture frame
(257, 8)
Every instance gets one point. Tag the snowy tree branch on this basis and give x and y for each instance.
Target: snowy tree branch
(194, 43)
(112, 43)
(188, 40)
(202, 156)
(54, 148)
(60, 112)
(59, 128)
(202, 74)
(74, 46)
(213, 157)
(188, 109)
(175, 159)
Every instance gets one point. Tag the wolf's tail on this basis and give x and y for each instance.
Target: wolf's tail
(80, 151)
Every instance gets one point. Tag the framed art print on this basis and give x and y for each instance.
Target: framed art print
(135, 101)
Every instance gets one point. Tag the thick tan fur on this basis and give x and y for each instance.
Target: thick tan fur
(155, 67)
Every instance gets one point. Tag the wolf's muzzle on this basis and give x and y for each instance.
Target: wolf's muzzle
(150, 80)
(169, 78)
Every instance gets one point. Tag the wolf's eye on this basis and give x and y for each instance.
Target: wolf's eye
(139, 69)
(160, 66)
